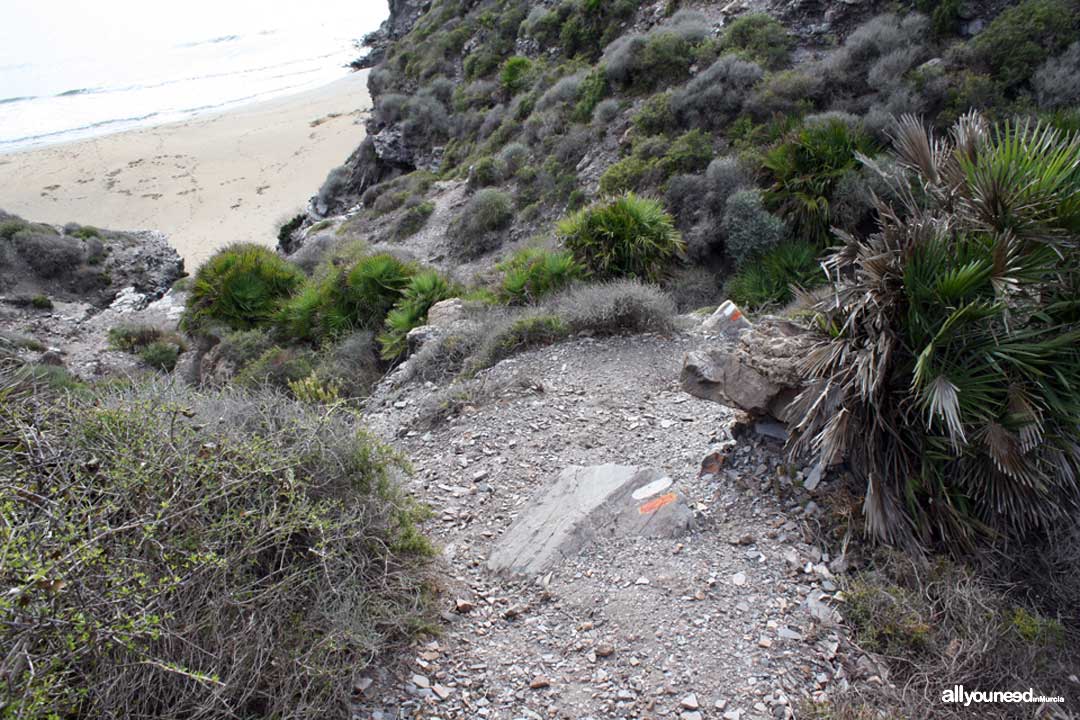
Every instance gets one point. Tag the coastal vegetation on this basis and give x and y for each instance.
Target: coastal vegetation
(903, 191)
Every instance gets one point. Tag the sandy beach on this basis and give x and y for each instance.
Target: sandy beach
(206, 182)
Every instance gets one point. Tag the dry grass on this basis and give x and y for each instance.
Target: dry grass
(177, 555)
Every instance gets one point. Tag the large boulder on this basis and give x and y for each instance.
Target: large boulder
(586, 503)
(758, 374)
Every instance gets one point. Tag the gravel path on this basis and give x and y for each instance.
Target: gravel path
(730, 621)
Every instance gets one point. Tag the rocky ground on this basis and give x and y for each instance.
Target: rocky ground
(732, 620)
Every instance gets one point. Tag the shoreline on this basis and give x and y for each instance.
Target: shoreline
(208, 181)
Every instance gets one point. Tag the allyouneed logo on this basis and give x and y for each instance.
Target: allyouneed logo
(957, 694)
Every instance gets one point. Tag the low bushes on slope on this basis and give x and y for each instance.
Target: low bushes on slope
(805, 168)
(608, 308)
(347, 299)
(532, 273)
(177, 555)
(628, 236)
(241, 286)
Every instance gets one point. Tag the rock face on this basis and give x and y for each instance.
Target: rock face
(758, 375)
(63, 289)
(585, 503)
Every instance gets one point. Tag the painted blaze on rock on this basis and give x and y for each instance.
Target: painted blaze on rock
(587, 503)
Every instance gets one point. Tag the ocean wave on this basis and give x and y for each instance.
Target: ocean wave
(211, 41)
(81, 91)
(21, 98)
(81, 128)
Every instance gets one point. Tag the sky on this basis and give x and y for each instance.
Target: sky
(65, 29)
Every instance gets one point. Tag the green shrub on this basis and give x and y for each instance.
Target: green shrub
(624, 176)
(242, 347)
(10, 225)
(585, 27)
(628, 236)
(642, 62)
(1022, 37)
(185, 572)
(944, 15)
(613, 308)
(593, 89)
(84, 232)
(388, 202)
(936, 623)
(514, 76)
(533, 273)
(804, 170)
(276, 368)
(770, 279)
(717, 94)
(346, 299)
(749, 229)
(474, 230)
(160, 355)
(285, 232)
(351, 365)
(41, 302)
(655, 116)
(424, 290)
(157, 348)
(242, 286)
(133, 338)
(414, 218)
(689, 153)
(951, 342)
(48, 255)
(486, 172)
(760, 38)
(528, 332)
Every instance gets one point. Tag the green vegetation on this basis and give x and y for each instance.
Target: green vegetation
(1022, 37)
(628, 236)
(413, 219)
(771, 279)
(347, 299)
(760, 38)
(655, 116)
(974, 305)
(805, 168)
(749, 229)
(474, 230)
(241, 286)
(160, 355)
(423, 290)
(277, 368)
(514, 75)
(532, 273)
(41, 302)
(185, 572)
(157, 348)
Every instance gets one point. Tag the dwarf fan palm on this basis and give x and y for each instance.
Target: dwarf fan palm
(948, 374)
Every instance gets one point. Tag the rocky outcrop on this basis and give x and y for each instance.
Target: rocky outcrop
(403, 15)
(758, 374)
(63, 289)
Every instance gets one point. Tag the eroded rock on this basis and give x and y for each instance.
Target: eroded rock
(585, 503)
(759, 374)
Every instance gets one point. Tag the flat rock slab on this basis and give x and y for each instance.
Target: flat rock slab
(587, 503)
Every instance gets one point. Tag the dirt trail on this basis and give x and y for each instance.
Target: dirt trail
(726, 622)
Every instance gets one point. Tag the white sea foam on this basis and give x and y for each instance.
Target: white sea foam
(66, 75)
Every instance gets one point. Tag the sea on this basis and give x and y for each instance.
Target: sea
(73, 69)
